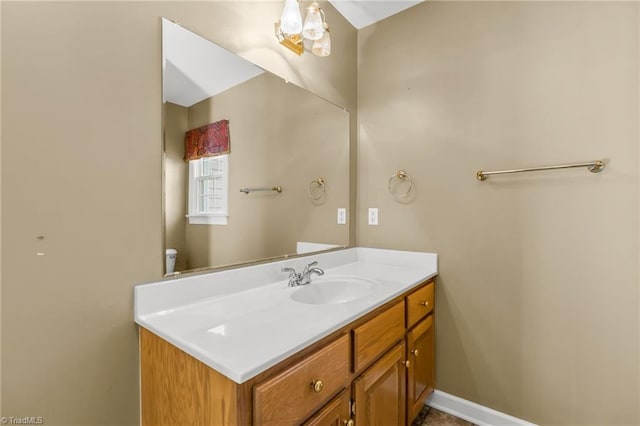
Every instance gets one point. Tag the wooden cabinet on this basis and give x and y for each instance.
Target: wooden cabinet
(420, 374)
(419, 304)
(300, 390)
(373, 338)
(382, 364)
(380, 391)
(335, 413)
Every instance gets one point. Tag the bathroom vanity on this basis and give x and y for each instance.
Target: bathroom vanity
(242, 347)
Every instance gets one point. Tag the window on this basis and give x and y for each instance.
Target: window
(209, 190)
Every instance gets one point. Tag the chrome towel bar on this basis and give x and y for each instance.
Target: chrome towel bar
(593, 166)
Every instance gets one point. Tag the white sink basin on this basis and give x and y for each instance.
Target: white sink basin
(337, 289)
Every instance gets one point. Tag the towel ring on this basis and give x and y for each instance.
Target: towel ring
(396, 179)
(317, 189)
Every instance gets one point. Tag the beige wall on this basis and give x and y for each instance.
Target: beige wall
(0, 216)
(81, 162)
(176, 175)
(280, 135)
(538, 297)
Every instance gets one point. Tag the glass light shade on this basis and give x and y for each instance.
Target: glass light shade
(322, 47)
(312, 29)
(291, 19)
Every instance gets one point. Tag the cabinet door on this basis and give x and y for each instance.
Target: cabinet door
(380, 391)
(335, 413)
(420, 350)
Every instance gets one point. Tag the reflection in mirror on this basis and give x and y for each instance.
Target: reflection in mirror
(279, 135)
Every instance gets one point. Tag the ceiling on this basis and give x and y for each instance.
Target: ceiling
(195, 69)
(361, 13)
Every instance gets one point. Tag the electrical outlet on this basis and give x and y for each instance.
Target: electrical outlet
(342, 216)
(373, 216)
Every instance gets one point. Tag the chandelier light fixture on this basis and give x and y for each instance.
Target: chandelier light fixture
(292, 32)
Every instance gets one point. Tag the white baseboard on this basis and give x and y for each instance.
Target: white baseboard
(472, 412)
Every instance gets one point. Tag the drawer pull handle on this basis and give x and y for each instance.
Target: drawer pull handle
(415, 352)
(425, 303)
(317, 385)
(406, 363)
(348, 423)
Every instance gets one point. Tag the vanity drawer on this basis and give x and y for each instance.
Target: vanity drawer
(374, 337)
(419, 304)
(297, 392)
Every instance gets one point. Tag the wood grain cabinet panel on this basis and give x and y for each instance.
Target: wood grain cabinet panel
(177, 389)
(419, 304)
(294, 394)
(421, 373)
(374, 337)
(335, 413)
(380, 391)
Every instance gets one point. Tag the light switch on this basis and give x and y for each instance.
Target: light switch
(373, 216)
(342, 216)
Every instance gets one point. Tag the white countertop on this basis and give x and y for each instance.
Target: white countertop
(243, 321)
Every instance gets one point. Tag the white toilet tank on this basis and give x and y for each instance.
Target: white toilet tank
(170, 264)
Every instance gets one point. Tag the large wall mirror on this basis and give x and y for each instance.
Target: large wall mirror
(280, 137)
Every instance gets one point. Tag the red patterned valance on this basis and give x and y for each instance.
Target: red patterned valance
(207, 141)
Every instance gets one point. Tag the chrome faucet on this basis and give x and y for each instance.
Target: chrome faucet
(304, 277)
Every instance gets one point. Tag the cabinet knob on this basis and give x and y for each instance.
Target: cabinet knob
(406, 363)
(317, 385)
(348, 422)
(415, 352)
(425, 303)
